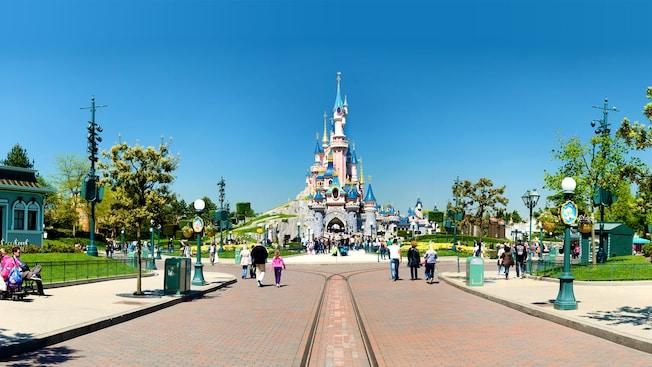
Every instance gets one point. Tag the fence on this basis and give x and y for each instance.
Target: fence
(603, 272)
(70, 271)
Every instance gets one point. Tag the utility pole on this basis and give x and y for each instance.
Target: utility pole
(90, 189)
(604, 196)
(220, 188)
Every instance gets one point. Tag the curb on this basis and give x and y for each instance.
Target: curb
(600, 332)
(74, 331)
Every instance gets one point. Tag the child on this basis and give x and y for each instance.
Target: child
(278, 264)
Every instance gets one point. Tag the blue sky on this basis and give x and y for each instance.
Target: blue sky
(436, 89)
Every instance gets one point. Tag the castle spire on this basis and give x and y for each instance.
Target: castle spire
(361, 172)
(338, 97)
(324, 139)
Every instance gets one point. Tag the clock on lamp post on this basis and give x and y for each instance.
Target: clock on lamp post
(198, 227)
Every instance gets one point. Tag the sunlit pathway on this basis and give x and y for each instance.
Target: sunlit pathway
(409, 323)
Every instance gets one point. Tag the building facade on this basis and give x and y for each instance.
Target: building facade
(337, 199)
(21, 206)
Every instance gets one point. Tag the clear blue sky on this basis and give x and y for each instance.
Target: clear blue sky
(436, 89)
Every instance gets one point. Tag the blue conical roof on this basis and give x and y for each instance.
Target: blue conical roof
(353, 194)
(329, 170)
(319, 196)
(318, 148)
(369, 197)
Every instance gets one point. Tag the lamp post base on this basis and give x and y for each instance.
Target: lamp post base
(151, 265)
(198, 278)
(91, 250)
(566, 298)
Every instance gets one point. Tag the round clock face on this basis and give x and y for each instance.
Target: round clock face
(198, 224)
(569, 213)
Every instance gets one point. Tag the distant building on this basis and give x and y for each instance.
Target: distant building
(21, 206)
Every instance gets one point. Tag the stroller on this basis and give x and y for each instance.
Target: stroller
(13, 287)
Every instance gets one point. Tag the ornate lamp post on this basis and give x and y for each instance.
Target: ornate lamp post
(158, 242)
(530, 199)
(198, 227)
(566, 298)
(299, 232)
(151, 265)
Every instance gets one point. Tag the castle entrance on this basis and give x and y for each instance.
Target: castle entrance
(335, 226)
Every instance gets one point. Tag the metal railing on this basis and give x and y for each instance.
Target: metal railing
(71, 271)
(598, 272)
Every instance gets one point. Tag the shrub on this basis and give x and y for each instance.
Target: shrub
(647, 250)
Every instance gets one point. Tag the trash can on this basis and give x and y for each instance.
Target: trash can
(474, 271)
(237, 256)
(177, 275)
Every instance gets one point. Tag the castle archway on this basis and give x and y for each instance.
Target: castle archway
(335, 226)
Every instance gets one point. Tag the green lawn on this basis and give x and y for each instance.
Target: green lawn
(65, 267)
(618, 268)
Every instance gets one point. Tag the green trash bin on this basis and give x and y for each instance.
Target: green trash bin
(237, 255)
(474, 271)
(177, 275)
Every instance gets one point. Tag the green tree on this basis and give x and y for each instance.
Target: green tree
(71, 170)
(478, 200)
(17, 157)
(140, 177)
(243, 210)
(638, 135)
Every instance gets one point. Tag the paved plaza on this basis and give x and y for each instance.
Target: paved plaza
(407, 323)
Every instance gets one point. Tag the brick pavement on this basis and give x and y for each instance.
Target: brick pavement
(412, 323)
(409, 323)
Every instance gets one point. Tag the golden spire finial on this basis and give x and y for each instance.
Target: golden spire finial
(361, 172)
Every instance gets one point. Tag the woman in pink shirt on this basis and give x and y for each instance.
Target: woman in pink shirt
(278, 264)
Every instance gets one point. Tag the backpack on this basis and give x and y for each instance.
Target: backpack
(15, 278)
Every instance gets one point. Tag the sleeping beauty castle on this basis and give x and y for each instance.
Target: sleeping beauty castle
(335, 191)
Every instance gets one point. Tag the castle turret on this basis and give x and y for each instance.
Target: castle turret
(370, 225)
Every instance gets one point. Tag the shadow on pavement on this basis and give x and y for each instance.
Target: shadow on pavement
(44, 357)
(636, 316)
(18, 337)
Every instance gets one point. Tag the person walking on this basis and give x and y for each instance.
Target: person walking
(279, 265)
(521, 256)
(430, 259)
(508, 260)
(212, 249)
(413, 261)
(259, 259)
(499, 262)
(245, 261)
(395, 259)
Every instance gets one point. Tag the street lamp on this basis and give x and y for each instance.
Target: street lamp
(530, 199)
(299, 232)
(566, 298)
(158, 242)
(124, 245)
(151, 265)
(198, 227)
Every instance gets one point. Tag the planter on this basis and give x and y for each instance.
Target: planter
(585, 227)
